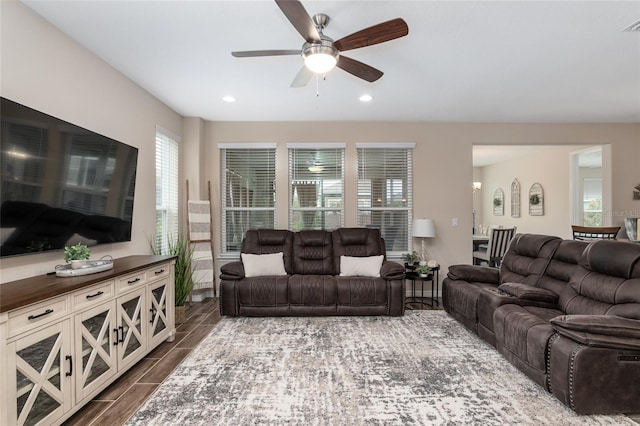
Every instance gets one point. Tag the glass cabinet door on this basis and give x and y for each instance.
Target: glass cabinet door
(158, 321)
(132, 329)
(43, 366)
(95, 348)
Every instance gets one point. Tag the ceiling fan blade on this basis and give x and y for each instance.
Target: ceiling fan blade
(298, 16)
(253, 53)
(302, 78)
(359, 69)
(380, 33)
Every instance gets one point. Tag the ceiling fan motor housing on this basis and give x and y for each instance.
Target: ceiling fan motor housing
(320, 57)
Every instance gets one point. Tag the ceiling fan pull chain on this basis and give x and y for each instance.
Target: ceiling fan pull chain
(317, 86)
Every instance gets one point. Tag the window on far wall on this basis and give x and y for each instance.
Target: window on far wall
(248, 190)
(316, 186)
(167, 166)
(592, 201)
(385, 192)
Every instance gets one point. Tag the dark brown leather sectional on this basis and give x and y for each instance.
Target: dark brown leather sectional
(566, 313)
(313, 285)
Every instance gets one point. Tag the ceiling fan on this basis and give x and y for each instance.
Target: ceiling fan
(321, 53)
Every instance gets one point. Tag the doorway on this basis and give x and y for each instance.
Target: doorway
(590, 186)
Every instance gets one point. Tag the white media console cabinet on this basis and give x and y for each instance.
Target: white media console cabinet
(63, 340)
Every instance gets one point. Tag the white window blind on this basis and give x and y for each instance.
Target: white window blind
(167, 198)
(316, 187)
(248, 174)
(592, 201)
(385, 193)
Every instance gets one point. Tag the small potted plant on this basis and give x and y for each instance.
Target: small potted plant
(76, 255)
(423, 270)
(410, 259)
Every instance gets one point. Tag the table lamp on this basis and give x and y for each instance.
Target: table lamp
(423, 228)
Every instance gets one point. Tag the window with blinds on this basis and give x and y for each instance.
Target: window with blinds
(316, 186)
(385, 192)
(248, 191)
(167, 198)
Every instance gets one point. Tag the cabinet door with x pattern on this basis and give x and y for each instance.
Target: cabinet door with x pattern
(43, 367)
(96, 340)
(131, 327)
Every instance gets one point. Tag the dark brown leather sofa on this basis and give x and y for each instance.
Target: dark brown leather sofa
(566, 313)
(313, 284)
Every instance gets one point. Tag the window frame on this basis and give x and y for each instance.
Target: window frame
(167, 169)
(408, 207)
(327, 146)
(224, 149)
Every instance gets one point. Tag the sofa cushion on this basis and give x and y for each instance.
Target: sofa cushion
(263, 292)
(360, 266)
(527, 258)
(357, 242)
(312, 290)
(524, 331)
(261, 265)
(607, 281)
(527, 292)
(313, 252)
(265, 241)
(361, 291)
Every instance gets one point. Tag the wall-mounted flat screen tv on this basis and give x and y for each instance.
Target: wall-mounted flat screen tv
(61, 184)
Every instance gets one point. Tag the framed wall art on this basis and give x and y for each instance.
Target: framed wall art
(515, 198)
(536, 200)
(498, 202)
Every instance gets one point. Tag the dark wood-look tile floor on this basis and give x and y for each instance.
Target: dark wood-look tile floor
(119, 401)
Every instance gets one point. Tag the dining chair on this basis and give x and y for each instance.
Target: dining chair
(591, 233)
(499, 240)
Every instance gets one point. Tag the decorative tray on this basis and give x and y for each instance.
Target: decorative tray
(89, 267)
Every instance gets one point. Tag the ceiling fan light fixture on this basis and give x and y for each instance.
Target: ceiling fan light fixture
(320, 58)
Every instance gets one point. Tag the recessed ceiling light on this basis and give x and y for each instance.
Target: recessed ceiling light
(366, 98)
(229, 99)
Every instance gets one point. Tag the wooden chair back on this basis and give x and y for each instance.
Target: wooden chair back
(499, 243)
(590, 233)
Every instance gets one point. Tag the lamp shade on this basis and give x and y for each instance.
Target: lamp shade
(423, 228)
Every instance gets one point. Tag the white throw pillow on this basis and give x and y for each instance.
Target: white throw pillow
(260, 265)
(360, 266)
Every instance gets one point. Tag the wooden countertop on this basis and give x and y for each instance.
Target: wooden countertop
(16, 294)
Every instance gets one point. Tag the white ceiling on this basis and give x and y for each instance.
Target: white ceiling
(473, 61)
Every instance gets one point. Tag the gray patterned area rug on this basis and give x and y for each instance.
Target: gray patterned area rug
(421, 369)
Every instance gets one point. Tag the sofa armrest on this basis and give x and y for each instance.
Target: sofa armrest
(605, 331)
(391, 270)
(528, 292)
(473, 273)
(232, 271)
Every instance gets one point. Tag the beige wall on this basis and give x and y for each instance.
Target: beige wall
(547, 166)
(443, 169)
(46, 70)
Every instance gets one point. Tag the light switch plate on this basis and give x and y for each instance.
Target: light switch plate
(454, 222)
